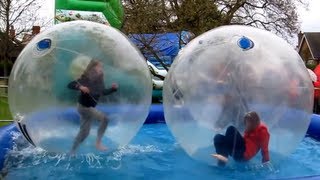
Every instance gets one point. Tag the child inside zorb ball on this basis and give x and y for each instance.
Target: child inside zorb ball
(244, 90)
(92, 87)
(88, 58)
(256, 138)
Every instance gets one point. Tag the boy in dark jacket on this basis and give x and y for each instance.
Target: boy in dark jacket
(91, 87)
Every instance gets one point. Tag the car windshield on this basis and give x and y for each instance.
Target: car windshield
(160, 67)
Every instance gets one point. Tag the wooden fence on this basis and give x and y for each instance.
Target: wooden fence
(4, 86)
(4, 107)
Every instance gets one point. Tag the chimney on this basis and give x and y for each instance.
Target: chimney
(300, 35)
(12, 32)
(35, 30)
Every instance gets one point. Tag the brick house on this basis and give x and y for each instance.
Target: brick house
(309, 48)
(16, 45)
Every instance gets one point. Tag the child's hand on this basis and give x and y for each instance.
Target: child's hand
(84, 89)
(114, 86)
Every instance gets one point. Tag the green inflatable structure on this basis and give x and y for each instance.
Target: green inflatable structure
(68, 10)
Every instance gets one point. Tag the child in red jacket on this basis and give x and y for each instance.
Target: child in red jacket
(316, 97)
(256, 138)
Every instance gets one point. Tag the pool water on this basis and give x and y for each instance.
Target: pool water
(153, 154)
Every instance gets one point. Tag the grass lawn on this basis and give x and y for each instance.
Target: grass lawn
(4, 111)
(4, 107)
(4, 123)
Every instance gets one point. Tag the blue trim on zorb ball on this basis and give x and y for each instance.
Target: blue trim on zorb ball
(245, 43)
(44, 44)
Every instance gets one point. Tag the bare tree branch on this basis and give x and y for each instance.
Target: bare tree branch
(199, 16)
(17, 18)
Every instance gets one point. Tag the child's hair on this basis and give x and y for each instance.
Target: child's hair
(252, 115)
(90, 68)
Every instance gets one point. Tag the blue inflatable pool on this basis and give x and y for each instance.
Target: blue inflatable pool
(155, 116)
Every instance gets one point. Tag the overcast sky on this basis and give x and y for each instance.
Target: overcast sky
(310, 19)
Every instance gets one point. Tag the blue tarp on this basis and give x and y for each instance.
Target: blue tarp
(166, 45)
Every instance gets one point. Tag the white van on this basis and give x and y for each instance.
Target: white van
(158, 75)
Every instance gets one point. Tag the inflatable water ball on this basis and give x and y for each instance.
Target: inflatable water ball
(225, 73)
(44, 89)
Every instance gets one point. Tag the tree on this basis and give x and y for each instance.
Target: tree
(17, 17)
(278, 16)
(149, 17)
(199, 16)
(142, 16)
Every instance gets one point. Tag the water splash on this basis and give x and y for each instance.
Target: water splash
(164, 159)
(24, 155)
